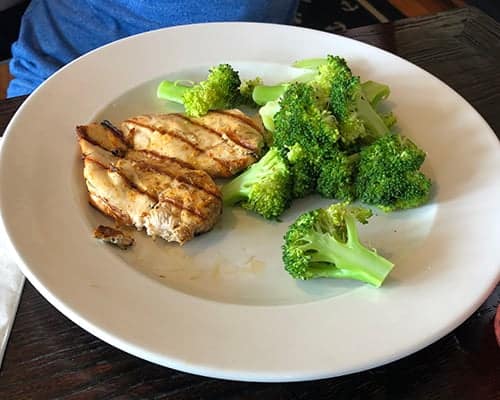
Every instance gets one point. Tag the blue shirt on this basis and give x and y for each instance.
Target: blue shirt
(55, 32)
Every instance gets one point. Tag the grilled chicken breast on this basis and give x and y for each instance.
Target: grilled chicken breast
(143, 189)
(222, 143)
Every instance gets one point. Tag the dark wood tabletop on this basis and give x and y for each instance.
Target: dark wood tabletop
(49, 357)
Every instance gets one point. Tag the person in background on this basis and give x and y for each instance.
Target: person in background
(53, 33)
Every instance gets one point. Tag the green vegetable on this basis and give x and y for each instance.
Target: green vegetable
(246, 90)
(337, 176)
(264, 94)
(375, 92)
(307, 135)
(337, 91)
(326, 77)
(309, 63)
(304, 169)
(389, 119)
(324, 243)
(326, 135)
(264, 188)
(358, 120)
(267, 114)
(301, 120)
(388, 174)
(173, 90)
(320, 78)
(220, 90)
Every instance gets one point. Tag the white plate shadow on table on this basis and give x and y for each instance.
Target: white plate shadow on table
(222, 305)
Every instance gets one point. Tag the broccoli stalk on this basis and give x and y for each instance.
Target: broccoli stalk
(324, 243)
(372, 120)
(267, 114)
(263, 94)
(264, 188)
(375, 92)
(310, 63)
(220, 90)
(172, 91)
(389, 119)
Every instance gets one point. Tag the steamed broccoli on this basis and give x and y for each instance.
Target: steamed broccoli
(265, 187)
(305, 134)
(220, 90)
(358, 120)
(246, 90)
(337, 175)
(304, 169)
(263, 94)
(267, 114)
(389, 119)
(375, 92)
(324, 243)
(388, 174)
(337, 91)
(327, 71)
(320, 77)
(301, 120)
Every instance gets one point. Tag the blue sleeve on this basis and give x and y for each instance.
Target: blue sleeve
(54, 33)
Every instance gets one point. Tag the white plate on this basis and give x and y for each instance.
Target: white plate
(222, 305)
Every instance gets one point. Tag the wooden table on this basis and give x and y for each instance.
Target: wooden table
(49, 357)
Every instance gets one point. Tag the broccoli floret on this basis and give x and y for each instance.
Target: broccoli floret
(264, 188)
(246, 91)
(304, 169)
(388, 174)
(220, 90)
(326, 75)
(320, 78)
(324, 243)
(336, 91)
(358, 120)
(337, 175)
(301, 120)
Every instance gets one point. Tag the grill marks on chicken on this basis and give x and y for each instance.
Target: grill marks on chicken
(104, 135)
(152, 162)
(139, 188)
(222, 143)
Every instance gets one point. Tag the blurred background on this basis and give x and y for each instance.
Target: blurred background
(328, 15)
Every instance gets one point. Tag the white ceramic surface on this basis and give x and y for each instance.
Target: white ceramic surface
(222, 305)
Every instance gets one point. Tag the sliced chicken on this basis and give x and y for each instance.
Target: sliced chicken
(222, 143)
(141, 189)
(113, 236)
(105, 135)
